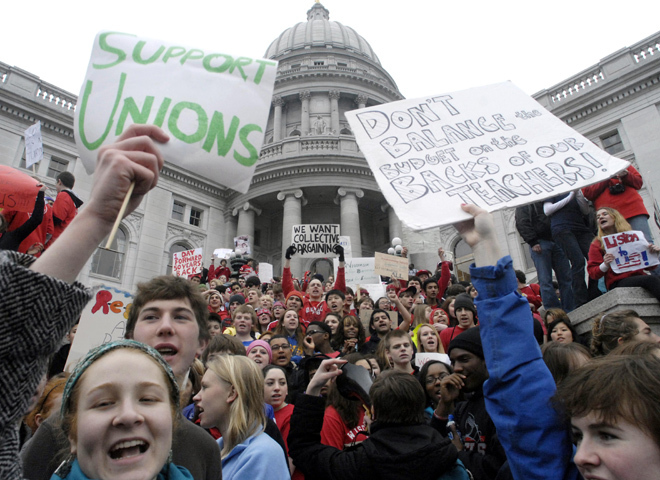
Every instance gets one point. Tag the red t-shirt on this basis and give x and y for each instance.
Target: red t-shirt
(336, 434)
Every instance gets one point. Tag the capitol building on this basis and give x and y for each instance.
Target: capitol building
(311, 169)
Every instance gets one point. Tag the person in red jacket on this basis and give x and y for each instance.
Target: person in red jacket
(314, 308)
(219, 271)
(66, 204)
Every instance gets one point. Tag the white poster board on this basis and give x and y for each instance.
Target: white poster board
(345, 241)
(102, 321)
(315, 240)
(265, 272)
(630, 250)
(214, 106)
(242, 245)
(34, 146)
(493, 146)
(376, 290)
(358, 271)
(422, 358)
(222, 253)
(187, 263)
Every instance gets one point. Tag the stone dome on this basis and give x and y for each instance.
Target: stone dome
(319, 32)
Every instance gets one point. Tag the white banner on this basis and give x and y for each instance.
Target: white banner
(630, 250)
(34, 146)
(187, 263)
(102, 321)
(214, 106)
(315, 240)
(358, 271)
(493, 146)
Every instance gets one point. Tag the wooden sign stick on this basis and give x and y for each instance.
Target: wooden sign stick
(120, 216)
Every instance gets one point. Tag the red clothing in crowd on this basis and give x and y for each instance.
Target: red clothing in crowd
(629, 203)
(448, 334)
(65, 209)
(312, 311)
(39, 235)
(593, 266)
(215, 272)
(533, 294)
(335, 432)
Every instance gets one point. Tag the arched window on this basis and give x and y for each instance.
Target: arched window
(110, 262)
(463, 257)
(176, 248)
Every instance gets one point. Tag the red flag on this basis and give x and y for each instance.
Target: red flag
(18, 191)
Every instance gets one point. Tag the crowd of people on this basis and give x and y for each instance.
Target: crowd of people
(221, 375)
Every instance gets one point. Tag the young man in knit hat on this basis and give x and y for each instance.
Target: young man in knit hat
(479, 448)
(466, 314)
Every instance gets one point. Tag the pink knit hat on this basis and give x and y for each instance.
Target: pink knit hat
(261, 343)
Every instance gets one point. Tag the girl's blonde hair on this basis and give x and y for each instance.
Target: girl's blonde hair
(419, 315)
(418, 339)
(246, 413)
(620, 223)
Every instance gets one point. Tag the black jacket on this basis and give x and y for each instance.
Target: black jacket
(390, 452)
(532, 224)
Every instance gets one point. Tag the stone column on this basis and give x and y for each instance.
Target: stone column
(293, 203)
(230, 233)
(246, 213)
(304, 113)
(347, 198)
(278, 103)
(334, 111)
(361, 101)
(393, 220)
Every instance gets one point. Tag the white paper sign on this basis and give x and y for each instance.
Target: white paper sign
(358, 271)
(315, 240)
(422, 358)
(345, 241)
(265, 272)
(187, 263)
(214, 106)
(376, 290)
(242, 245)
(34, 147)
(493, 146)
(222, 253)
(102, 321)
(630, 250)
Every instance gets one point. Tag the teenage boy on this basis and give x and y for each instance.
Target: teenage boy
(379, 326)
(398, 348)
(465, 313)
(245, 318)
(317, 339)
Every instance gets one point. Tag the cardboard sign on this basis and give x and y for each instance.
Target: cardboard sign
(34, 146)
(422, 358)
(391, 266)
(315, 240)
(630, 250)
(242, 245)
(102, 321)
(18, 191)
(187, 263)
(214, 106)
(493, 146)
(345, 241)
(265, 272)
(359, 271)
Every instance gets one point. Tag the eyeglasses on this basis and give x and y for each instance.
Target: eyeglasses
(431, 380)
(275, 348)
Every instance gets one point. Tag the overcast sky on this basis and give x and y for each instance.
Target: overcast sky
(428, 47)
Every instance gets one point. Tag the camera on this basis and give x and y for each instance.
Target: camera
(617, 188)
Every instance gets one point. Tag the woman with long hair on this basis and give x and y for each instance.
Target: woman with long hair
(232, 399)
(427, 340)
(617, 328)
(610, 222)
(350, 335)
(430, 378)
(562, 331)
(289, 326)
(448, 306)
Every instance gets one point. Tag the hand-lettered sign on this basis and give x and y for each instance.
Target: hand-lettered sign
(187, 263)
(630, 250)
(102, 321)
(214, 106)
(492, 146)
(315, 240)
(18, 191)
(34, 147)
(359, 271)
(392, 266)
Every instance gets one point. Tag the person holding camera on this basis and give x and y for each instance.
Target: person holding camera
(621, 192)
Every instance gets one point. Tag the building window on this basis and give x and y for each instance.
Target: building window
(342, 64)
(109, 262)
(463, 258)
(176, 248)
(56, 166)
(178, 210)
(612, 143)
(195, 217)
(257, 238)
(318, 63)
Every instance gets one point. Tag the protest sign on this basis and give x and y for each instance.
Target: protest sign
(187, 263)
(242, 245)
(391, 266)
(492, 146)
(222, 253)
(359, 270)
(214, 106)
(102, 321)
(266, 272)
(422, 358)
(34, 146)
(315, 240)
(630, 250)
(18, 191)
(345, 241)
(376, 290)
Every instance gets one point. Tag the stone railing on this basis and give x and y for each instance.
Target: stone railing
(56, 96)
(647, 52)
(310, 145)
(578, 85)
(306, 145)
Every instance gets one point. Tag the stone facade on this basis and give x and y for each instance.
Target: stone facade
(311, 169)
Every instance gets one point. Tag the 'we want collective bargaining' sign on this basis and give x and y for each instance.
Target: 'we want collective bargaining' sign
(213, 105)
(315, 240)
(492, 146)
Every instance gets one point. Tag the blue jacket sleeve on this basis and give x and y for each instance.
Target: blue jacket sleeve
(519, 389)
